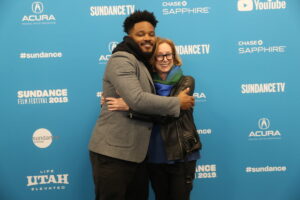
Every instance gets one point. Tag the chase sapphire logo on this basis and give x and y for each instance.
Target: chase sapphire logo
(37, 7)
(264, 123)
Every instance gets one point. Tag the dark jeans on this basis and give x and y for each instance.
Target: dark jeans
(116, 179)
(172, 181)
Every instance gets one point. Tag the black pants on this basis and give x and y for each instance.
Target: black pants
(116, 179)
(172, 181)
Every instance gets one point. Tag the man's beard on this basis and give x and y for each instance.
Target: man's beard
(147, 55)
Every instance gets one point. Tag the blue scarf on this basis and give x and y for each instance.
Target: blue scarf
(164, 87)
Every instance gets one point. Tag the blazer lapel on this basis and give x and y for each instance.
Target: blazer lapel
(149, 78)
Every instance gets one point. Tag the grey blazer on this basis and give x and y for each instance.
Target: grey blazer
(115, 134)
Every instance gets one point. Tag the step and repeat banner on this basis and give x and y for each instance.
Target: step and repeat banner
(243, 54)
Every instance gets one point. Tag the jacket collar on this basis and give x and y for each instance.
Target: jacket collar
(130, 46)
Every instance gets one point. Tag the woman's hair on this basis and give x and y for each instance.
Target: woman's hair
(159, 41)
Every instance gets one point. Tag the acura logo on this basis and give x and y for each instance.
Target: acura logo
(112, 46)
(264, 123)
(37, 7)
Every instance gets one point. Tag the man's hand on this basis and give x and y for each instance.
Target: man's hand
(116, 104)
(102, 100)
(186, 101)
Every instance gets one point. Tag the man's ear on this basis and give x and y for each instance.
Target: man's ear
(130, 32)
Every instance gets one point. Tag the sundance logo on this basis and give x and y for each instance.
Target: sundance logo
(266, 169)
(204, 131)
(40, 55)
(250, 5)
(51, 96)
(206, 171)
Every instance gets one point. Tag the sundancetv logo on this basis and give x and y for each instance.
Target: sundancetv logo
(117, 10)
(258, 88)
(38, 16)
(193, 49)
(42, 138)
(250, 5)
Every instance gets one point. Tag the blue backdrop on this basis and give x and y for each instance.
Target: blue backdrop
(243, 54)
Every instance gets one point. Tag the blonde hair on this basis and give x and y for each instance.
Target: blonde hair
(159, 41)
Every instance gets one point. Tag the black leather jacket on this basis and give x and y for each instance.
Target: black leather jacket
(179, 134)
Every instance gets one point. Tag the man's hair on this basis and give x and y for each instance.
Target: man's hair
(139, 16)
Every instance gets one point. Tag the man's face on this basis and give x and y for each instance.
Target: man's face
(143, 34)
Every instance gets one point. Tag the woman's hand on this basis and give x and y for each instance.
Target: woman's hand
(116, 104)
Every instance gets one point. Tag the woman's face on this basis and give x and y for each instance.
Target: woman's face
(164, 58)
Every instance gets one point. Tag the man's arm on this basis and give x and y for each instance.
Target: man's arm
(120, 104)
(121, 72)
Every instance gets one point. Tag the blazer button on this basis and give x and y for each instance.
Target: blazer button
(150, 128)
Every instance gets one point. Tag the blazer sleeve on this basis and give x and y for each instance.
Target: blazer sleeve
(121, 71)
(185, 82)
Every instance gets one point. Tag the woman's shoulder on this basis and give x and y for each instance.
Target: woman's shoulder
(187, 80)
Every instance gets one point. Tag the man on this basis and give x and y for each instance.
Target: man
(119, 145)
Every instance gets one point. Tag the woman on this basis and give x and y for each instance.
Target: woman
(174, 143)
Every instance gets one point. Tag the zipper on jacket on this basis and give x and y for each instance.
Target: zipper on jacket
(181, 149)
